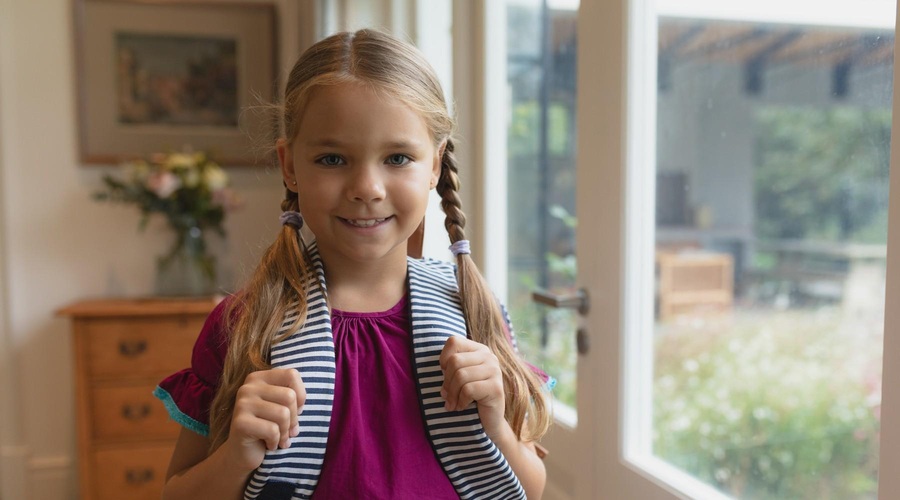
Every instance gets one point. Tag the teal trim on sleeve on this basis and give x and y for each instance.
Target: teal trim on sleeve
(177, 415)
(550, 383)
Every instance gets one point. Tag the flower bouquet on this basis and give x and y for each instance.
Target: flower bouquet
(192, 192)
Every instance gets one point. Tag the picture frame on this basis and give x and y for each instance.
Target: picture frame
(169, 75)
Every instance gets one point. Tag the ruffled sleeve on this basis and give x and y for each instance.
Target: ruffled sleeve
(188, 394)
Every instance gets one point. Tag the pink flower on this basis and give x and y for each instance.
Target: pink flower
(163, 184)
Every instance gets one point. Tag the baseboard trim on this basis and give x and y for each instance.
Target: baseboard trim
(51, 476)
(14, 471)
(49, 463)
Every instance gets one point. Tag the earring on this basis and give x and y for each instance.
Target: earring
(293, 183)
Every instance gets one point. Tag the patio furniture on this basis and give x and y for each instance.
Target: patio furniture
(693, 282)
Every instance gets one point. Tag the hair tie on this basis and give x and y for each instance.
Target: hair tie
(291, 218)
(460, 247)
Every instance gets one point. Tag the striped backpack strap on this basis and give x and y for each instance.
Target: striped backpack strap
(293, 473)
(473, 463)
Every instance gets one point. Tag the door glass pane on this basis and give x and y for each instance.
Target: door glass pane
(771, 226)
(541, 181)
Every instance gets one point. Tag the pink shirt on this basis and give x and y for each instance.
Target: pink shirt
(377, 443)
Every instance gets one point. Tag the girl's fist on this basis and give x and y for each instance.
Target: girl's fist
(265, 415)
(472, 374)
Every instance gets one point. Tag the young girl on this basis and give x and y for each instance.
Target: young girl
(345, 369)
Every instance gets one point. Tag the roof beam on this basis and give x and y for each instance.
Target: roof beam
(665, 56)
(840, 73)
(723, 44)
(756, 64)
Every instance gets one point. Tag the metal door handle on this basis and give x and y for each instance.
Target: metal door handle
(579, 300)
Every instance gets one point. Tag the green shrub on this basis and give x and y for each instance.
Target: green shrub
(772, 404)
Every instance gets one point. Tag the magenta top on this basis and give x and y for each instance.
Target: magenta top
(377, 446)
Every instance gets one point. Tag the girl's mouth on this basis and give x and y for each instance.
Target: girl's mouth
(365, 223)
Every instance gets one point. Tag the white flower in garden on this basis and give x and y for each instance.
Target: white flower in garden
(690, 365)
(214, 177)
(680, 423)
(762, 413)
(705, 429)
(163, 184)
(722, 474)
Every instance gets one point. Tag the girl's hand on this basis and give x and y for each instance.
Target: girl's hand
(265, 415)
(472, 373)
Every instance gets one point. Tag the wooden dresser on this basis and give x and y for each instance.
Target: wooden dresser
(123, 348)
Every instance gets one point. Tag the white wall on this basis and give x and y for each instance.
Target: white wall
(58, 246)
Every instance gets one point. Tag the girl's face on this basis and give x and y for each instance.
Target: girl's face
(363, 165)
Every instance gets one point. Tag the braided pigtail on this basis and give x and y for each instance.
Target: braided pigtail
(484, 318)
(255, 315)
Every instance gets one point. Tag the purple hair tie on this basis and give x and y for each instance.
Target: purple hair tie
(461, 246)
(291, 218)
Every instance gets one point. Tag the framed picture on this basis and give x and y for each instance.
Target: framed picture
(160, 76)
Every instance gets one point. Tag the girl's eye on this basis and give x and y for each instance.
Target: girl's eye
(330, 160)
(398, 159)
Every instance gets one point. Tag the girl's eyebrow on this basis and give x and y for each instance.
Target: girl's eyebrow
(334, 143)
(326, 143)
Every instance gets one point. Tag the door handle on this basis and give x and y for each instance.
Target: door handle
(579, 300)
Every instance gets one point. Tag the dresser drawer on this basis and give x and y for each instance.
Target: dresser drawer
(132, 473)
(141, 346)
(130, 412)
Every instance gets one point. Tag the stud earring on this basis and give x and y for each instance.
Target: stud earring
(294, 183)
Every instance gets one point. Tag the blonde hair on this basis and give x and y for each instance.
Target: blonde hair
(388, 65)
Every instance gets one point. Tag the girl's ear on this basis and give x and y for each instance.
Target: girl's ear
(286, 160)
(438, 161)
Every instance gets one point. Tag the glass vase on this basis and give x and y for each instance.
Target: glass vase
(187, 270)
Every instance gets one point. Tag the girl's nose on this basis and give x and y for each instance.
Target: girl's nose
(366, 184)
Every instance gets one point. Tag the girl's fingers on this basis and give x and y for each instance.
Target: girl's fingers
(278, 387)
(283, 396)
(289, 378)
(281, 377)
(456, 345)
(463, 362)
(277, 414)
(481, 391)
(249, 426)
(463, 359)
(456, 390)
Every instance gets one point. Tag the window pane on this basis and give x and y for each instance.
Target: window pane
(772, 167)
(541, 181)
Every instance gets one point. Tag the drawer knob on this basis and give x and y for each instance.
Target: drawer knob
(132, 348)
(138, 476)
(135, 411)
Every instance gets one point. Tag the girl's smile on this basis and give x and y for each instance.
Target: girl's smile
(366, 223)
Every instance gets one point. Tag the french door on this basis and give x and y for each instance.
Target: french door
(709, 182)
